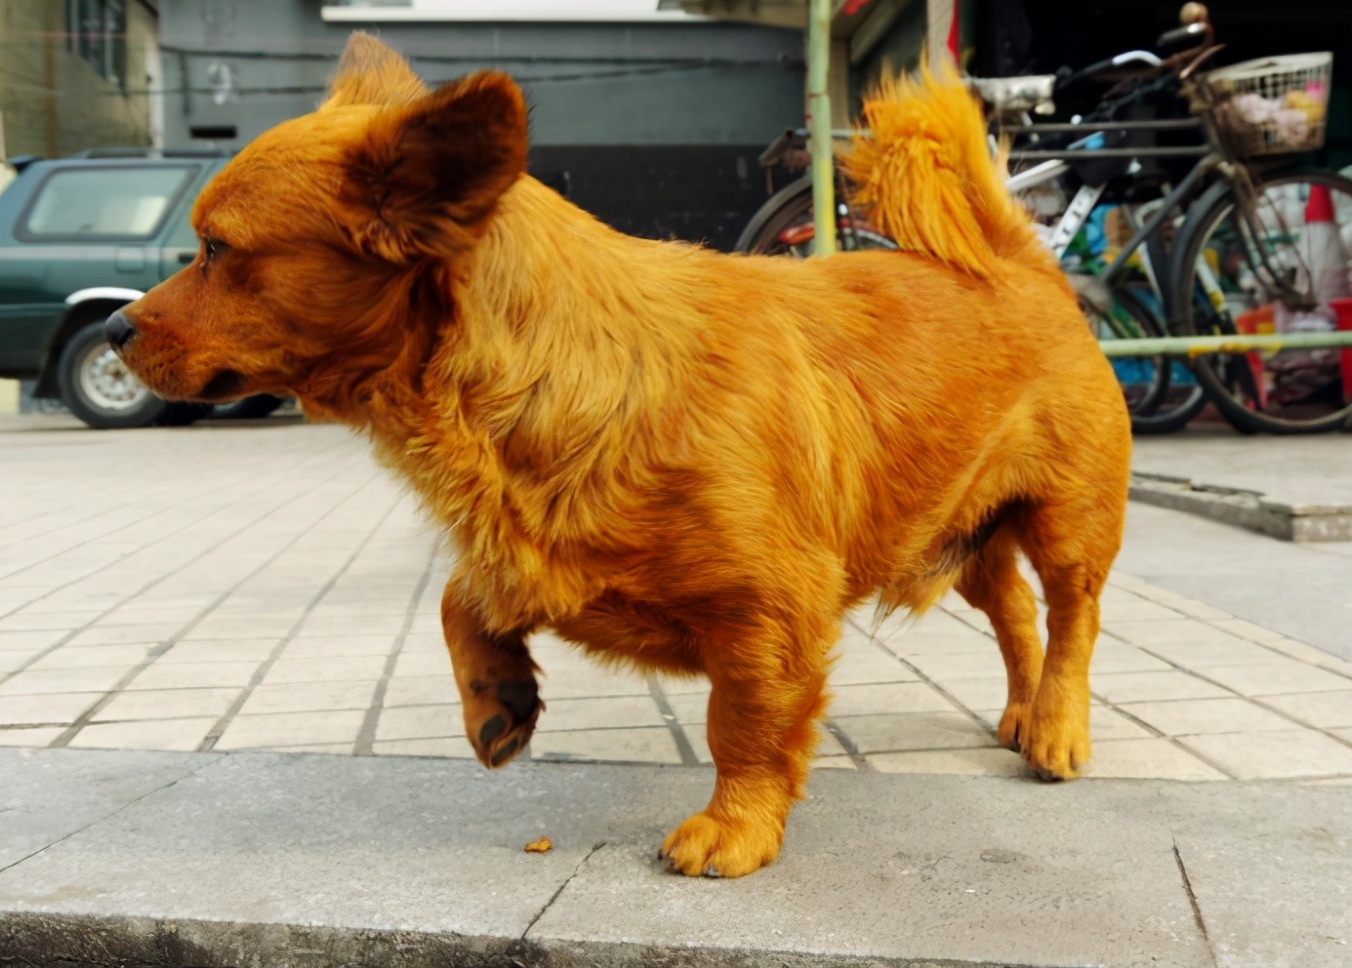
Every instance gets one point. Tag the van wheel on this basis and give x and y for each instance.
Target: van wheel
(97, 386)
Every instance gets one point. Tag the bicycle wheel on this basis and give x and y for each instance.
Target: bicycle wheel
(1160, 393)
(1276, 273)
(784, 226)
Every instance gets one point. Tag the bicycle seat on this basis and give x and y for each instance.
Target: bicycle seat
(1030, 92)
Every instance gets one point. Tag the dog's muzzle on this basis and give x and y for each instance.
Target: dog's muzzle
(118, 329)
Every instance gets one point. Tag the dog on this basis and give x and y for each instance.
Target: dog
(677, 459)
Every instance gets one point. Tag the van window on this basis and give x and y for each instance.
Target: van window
(104, 203)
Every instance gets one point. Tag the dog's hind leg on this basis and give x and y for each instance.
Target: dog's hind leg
(496, 679)
(1071, 545)
(991, 582)
(768, 677)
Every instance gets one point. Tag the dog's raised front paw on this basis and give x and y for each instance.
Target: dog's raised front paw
(500, 718)
(718, 848)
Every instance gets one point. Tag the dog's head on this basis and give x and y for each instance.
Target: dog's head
(323, 242)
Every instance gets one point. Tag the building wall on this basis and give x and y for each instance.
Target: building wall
(653, 127)
(52, 100)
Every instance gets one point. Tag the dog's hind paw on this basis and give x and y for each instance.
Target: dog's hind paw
(500, 718)
(704, 846)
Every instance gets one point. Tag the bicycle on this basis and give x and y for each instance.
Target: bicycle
(1223, 188)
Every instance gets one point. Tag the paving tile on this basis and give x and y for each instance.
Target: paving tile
(1323, 709)
(38, 681)
(609, 713)
(294, 697)
(32, 736)
(291, 729)
(219, 650)
(77, 657)
(15, 659)
(195, 675)
(455, 746)
(596, 681)
(167, 704)
(896, 697)
(339, 749)
(413, 664)
(340, 645)
(28, 641)
(45, 707)
(1255, 756)
(126, 634)
(38, 622)
(1135, 610)
(305, 669)
(1106, 723)
(1126, 687)
(683, 685)
(364, 624)
(1111, 656)
(1309, 654)
(961, 665)
(1246, 630)
(420, 722)
(974, 762)
(1182, 631)
(183, 735)
(913, 731)
(983, 693)
(642, 745)
(1184, 717)
(423, 691)
(1151, 758)
(873, 665)
(1277, 677)
(1206, 655)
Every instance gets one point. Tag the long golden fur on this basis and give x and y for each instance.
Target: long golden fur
(677, 459)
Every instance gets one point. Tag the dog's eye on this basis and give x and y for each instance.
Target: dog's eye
(211, 249)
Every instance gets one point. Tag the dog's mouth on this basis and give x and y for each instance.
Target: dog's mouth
(223, 386)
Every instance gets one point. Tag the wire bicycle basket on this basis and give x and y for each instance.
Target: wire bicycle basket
(1268, 106)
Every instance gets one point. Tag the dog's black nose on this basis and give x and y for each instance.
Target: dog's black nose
(118, 329)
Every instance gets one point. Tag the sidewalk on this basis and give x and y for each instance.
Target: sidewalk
(188, 616)
(1296, 488)
(309, 860)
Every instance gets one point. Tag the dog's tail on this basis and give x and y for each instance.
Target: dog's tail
(928, 180)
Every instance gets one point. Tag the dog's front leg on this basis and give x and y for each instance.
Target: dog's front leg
(767, 696)
(496, 678)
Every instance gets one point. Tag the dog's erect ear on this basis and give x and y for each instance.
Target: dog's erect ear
(371, 73)
(430, 174)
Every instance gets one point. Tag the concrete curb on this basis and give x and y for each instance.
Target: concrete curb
(1244, 508)
(112, 858)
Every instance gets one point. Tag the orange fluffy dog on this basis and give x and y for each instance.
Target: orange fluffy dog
(677, 459)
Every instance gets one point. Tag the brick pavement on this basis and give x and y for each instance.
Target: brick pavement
(268, 587)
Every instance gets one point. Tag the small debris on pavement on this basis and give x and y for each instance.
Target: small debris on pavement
(543, 845)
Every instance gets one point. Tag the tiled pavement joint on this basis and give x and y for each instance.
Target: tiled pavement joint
(366, 735)
(678, 736)
(214, 734)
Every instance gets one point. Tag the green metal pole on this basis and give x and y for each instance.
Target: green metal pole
(819, 126)
(1202, 345)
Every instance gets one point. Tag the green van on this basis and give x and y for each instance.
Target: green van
(81, 237)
